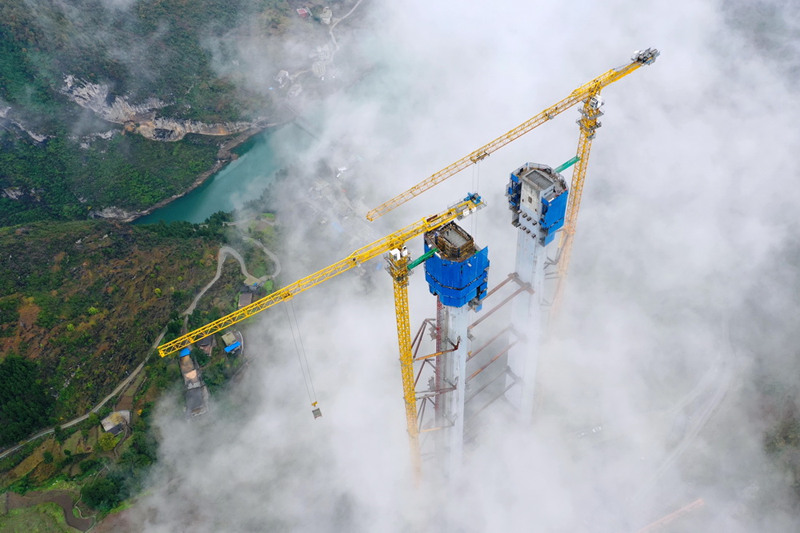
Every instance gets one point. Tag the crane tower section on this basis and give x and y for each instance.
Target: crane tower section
(537, 196)
(456, 273)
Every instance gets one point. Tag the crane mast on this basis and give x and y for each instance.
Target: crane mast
(538, 227)
(581, 94)
(398, 259)
(588, 124)
(398, 269)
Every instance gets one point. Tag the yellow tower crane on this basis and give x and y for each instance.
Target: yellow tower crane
(588, 123)
(588, 93)
(399, 265)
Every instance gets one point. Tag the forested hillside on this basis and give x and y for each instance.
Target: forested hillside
(84, 301)
(144, 49)
(64, 182)
(61, 161)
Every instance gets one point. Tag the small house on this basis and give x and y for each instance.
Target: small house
(245, 299)
(229, 338)
(283, 78)
(116, 422)
(232, 348)
(196, 401)
(206, 344)
(326, 15)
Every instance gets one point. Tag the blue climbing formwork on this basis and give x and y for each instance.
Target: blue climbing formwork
(537, 197)
(457, 273)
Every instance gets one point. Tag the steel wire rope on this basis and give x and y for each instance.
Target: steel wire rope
(301, 353)
(305, 357)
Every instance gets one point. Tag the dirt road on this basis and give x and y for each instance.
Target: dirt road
(224, 252)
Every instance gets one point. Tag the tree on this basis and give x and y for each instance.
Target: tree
(200, 356)
(24, 404)
(93, 420)
(89, 464)
(107, 441)
(102, 494)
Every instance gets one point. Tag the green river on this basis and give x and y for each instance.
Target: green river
(240, 180)
(263, 155)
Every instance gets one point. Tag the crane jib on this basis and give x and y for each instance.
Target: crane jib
(379, 247)
(582, 93)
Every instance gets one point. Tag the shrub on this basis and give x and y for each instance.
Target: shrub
(102, 494)
(89, 465)
(107, 441)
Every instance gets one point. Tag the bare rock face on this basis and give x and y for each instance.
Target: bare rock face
(116, 213)
(13, 193)
(167, 129)
(96, 97)
(141, 118)
(6, 119)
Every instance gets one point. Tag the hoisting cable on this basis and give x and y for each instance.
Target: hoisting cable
(302, 359)
(476, 183)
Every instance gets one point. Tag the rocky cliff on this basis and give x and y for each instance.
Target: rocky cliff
(141, 118)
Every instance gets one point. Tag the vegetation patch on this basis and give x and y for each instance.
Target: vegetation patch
(97, 314)
(126, 476)
(170, 51)
(42, 517)
(104, 479)
(25, 405)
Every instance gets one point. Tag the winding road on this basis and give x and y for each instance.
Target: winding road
(249, 279)
(124, 383)
(221, 257)
(223, 254)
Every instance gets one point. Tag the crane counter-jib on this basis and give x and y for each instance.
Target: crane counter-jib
(390, 242)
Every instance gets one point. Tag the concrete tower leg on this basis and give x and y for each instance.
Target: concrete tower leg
(527, 321)
(441, 346)
(456, 272)
(457, 323)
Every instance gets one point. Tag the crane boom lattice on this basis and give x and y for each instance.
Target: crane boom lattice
(582, 93)
(398, 267)
(381, 246)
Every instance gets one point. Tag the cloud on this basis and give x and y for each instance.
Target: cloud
(688, 202)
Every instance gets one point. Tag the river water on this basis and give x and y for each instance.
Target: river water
(240, 180)
(261, 157)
